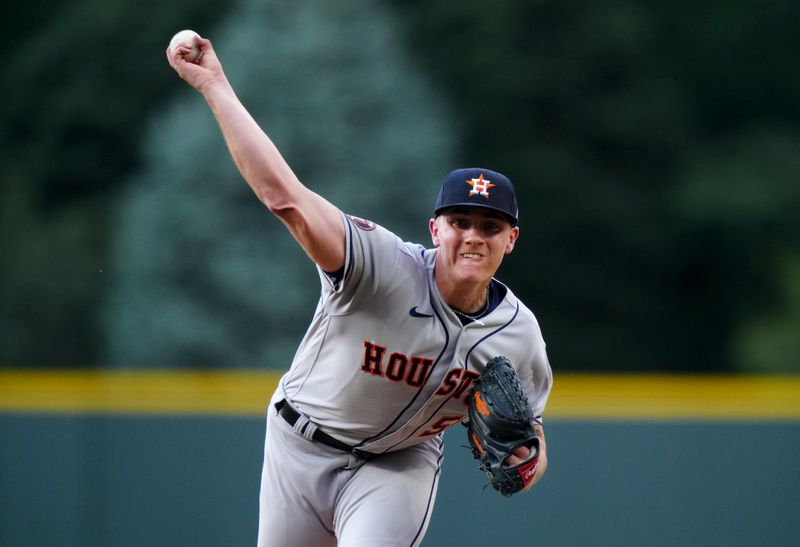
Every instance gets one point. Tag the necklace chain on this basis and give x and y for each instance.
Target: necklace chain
(477, 314)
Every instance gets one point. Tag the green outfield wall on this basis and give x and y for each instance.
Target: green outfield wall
(132, 459)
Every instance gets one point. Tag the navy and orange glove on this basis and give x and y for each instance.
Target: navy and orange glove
(500, 420)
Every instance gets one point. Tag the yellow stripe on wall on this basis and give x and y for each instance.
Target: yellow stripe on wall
(138, 392)
(668, 397)
(245, 393)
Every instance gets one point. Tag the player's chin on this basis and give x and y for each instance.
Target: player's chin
(473, 278)
(473, 270)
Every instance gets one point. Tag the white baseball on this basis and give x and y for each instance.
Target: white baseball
(186, 37)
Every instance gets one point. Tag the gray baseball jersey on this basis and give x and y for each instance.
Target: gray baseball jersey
(386, 363)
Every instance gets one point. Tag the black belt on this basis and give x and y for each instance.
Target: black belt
(291, 416)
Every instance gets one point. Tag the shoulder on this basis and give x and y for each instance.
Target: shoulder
(360, 223)
(363, 229)
(367, 237)
(375, 248)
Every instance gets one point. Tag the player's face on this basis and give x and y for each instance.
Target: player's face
(472, 242)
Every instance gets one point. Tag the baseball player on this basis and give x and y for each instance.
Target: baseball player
(353, 448)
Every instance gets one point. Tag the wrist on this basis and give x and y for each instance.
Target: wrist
(215, 89)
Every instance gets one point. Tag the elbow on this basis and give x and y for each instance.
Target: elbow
(287, 212)
(281, 208)
(278, 199)
(289, 209)
(280, 196)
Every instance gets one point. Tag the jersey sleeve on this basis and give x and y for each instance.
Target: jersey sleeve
(535, 373)
(538, 389)
(370, 254)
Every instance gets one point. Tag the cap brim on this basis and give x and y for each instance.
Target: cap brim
(440, 210)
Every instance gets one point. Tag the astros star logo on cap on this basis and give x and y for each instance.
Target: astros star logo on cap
(480, 186)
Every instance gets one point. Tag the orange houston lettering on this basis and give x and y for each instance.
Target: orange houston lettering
(450, 382)
(467, 378)
(373, 357)
(418, 371)
(412, 370)
(396, 368)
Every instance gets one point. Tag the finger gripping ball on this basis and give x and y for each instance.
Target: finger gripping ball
(186, 38)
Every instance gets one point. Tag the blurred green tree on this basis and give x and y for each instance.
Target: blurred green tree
(78, 80)
(600, 112)
(742, 197)
(202, 275)
(653, 145)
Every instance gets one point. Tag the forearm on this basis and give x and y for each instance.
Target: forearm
(253, 152)
(314, 222)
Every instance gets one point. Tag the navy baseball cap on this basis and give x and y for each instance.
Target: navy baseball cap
(477, 187)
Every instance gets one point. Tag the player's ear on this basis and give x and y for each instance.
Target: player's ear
(512, 239)
(434, 228)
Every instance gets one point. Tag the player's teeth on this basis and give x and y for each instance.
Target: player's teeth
(471, 255)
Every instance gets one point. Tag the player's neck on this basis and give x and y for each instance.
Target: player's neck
(467, 298)
(478, 310)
